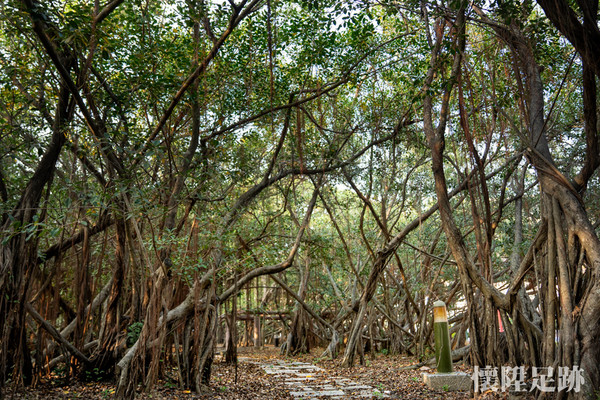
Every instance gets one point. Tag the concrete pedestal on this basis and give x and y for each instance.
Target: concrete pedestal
(453, 381)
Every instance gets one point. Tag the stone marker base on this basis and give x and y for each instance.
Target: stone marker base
(453, 381)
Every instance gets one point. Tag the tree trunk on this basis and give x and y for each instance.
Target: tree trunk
(298, 337)
(231, 337)
(257, 332)
(18, 257)
(570, 294)
(105, 358)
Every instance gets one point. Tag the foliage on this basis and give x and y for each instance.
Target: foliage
(175, 182)
(133, 332)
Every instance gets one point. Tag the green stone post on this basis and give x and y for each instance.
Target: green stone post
(443, 357)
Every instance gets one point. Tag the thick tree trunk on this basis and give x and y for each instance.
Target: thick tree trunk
(298, 337)
(572, 292)
(231, 335)
(18, 258)
(204, 342)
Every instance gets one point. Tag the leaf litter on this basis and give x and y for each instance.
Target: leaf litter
(387, 374)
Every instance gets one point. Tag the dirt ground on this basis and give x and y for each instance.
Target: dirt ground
(384, 372)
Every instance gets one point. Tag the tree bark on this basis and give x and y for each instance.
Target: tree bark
(18, 257)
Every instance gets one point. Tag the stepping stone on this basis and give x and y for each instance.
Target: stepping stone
(343, 381)
(280, 371)
(299, 377)
(314, 393)
(300, 384)
(325, 387)
(356, 387)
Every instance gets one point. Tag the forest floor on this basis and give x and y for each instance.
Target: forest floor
(383, 373)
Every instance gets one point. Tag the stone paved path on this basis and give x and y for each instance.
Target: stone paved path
(307, 381)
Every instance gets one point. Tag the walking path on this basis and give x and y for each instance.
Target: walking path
(307, 381)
